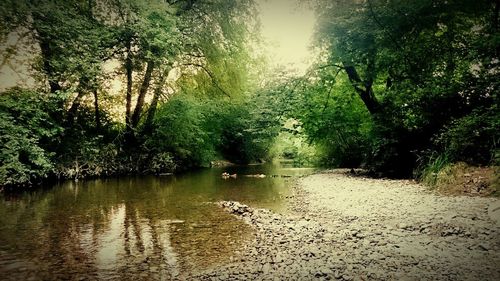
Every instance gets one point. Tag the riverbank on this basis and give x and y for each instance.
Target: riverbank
(346, 227)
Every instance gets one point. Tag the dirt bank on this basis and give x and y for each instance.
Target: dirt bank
(355, 228)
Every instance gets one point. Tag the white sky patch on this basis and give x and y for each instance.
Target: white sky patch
(16, 53)
(288, 29)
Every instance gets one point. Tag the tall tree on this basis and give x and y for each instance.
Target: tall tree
(410, 63)
(73, 44)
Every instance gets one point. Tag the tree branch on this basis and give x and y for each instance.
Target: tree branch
(210, 74)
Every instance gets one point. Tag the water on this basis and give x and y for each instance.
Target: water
(133, 227)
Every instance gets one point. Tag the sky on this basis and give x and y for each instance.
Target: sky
(16, 70)
(288, 28)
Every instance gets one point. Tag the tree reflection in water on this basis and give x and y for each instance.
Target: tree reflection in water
(150, 227)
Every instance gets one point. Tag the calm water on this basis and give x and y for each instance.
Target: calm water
(132, 227)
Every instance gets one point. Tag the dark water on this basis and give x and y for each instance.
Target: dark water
(133, 227)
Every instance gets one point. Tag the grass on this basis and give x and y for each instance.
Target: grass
(428, 173)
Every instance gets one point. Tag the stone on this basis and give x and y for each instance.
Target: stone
(484, 247)
(494, 212)
(325, 271)
(360, 235)
(403, 226)
(175, 221)
(278, 258)
(266, 268)
(346, 277)
(15, 265)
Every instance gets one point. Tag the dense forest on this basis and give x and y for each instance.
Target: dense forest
(401, 88)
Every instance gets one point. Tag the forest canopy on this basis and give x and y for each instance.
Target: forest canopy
(400, 84)
(155, 86)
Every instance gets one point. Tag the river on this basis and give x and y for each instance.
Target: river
(148, 227)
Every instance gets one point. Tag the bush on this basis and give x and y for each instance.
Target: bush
(246, 135)
(463, 179)
(91, 158)
(391, 150)
(196, 131)
(473, 138)
(295, 147)
(178, 130)
(26, 134)
(336, 123)
(161, 163)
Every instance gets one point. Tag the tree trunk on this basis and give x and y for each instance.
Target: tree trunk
(134, 120)
(128, 70)
(154, 102)
(97, 113)
(70, 116)
(47, 53)
(364, 90)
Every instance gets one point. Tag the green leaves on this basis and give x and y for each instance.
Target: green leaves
(26, 131)
(179, 130)
(197, 130)
(426, 63)
(473, 138)
(158, 36)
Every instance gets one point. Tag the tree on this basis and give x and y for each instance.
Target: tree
(26, 131)
(72, 43)
(410, 63)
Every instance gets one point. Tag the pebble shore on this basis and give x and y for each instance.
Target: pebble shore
(345, 227)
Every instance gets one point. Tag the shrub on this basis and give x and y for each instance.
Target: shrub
(473, 138)
(178, 130)
(196, 131)
(26, 132)
(161, 163)
(246, 135)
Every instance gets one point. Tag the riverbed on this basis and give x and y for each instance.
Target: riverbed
(342, 226)
(330, 225)
(130, 228)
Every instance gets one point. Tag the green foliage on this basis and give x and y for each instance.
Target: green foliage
(342, 136)
(26, 132)
(12, 13)
(151, 28)
(246, 133)
(162, 162)
(399, 80)
(333, 120)
(425, 66)
(294, 146)
(205, 40)
(73, 42)
(179, 130)
(473, 138)
(196, 131)
(89, 158)
(430, 165)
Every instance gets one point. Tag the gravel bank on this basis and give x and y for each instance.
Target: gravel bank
(353, 228)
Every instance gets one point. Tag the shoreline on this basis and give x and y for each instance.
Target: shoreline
(344, 227)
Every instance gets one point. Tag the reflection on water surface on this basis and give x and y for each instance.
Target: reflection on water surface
(132, 227)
